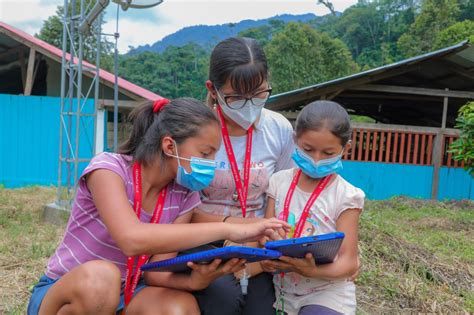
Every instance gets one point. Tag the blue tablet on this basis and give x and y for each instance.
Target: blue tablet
(179, 264)
(324, 247)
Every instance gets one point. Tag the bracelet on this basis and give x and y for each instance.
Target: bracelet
(225, 218)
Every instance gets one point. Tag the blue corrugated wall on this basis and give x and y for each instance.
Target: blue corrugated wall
(385, 180)
(455, 183)
(29, 151)
(29, 140)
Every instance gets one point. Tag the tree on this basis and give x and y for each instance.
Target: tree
(463, 148)
(467, 10)
(455, 34)
(371, 29)
(299, 56)
(328, 5)
(178, 71)
(52, 30)
(435, 16)
(263, 34)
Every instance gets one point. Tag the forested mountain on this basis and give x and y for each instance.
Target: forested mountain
(207, 36)
(368, 34)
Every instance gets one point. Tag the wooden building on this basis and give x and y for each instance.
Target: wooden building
(414, 103)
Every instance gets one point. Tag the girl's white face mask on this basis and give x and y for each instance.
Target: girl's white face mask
(246, 115)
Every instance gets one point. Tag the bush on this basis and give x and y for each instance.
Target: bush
(463, 148)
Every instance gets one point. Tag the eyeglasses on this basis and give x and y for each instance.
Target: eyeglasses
(237, 101)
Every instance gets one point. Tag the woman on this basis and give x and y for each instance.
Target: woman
(256, 143)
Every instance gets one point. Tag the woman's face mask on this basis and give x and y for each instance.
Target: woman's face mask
(201, 175)
(241, 109)
(318, 169)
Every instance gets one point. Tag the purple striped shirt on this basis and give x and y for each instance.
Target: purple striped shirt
(86, 237)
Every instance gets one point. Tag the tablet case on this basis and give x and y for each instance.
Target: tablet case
(324, 247)
(179, 264)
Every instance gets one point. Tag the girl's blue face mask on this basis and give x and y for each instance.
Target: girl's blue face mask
(201, 175)
(318, 169)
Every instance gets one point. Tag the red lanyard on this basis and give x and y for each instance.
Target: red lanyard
(316, 192)
(242, 189)
(131, 284)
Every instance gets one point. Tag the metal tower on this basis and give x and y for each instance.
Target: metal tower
(77, 108)
(79, 93)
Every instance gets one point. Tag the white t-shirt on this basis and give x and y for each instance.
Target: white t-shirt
(337, 197)
(272, 146)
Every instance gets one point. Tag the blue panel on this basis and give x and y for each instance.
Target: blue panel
(29, 139)
(455, 183)
(385, 180)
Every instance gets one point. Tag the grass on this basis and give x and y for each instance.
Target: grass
(25, 244)
(417, 255)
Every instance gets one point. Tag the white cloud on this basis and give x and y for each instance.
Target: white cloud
(140, 27)
(28, 12)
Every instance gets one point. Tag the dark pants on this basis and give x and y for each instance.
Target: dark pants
(224, 296)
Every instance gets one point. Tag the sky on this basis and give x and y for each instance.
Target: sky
(146, 26)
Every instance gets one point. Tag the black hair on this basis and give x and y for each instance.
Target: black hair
(240, 60)
(320, 115)
(181, 119)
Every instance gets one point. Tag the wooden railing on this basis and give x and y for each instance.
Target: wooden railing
(399, 144)
(448, 159)
(391, 146)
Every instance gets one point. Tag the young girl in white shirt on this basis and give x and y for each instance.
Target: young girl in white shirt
(322, 134)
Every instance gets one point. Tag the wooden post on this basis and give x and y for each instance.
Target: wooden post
(29, 72)
(23, 68)
(438, 151)
(445, 112)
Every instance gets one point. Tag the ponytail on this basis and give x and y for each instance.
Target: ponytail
(180, 119)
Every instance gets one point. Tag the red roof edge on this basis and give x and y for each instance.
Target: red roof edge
(104, 75)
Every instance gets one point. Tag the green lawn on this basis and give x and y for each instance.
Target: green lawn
(417, 256)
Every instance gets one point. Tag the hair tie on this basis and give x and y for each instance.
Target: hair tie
(159, 104)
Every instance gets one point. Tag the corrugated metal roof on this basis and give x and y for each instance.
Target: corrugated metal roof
(407, 92)
(56, 54)
(461, 54)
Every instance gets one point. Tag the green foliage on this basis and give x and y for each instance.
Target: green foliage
(455, 33)
(52, 30)
(435, 16)
(466, 10)
(362, 119)
(371, 28)
(263, 34)
(179, 71)
(299, 56)
(463, 148)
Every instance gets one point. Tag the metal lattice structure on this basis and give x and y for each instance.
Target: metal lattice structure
(76, 93)
(75, 97)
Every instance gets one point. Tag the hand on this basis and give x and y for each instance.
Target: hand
(263, 241)
(202, 275)
(304, 266)
(276, 235)
(274, 266)
(241, 233)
